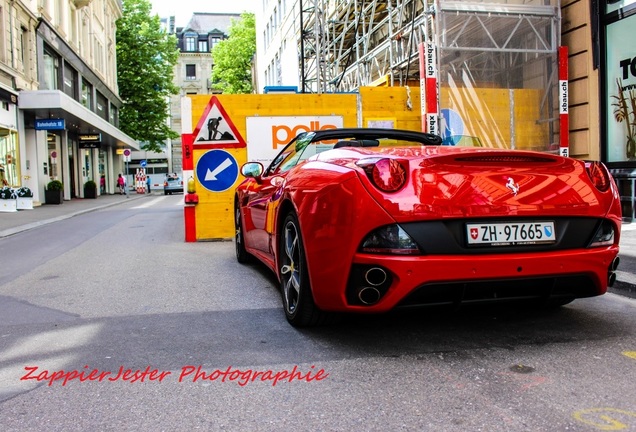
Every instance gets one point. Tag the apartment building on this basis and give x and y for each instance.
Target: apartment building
(60, 102)
(194, 68)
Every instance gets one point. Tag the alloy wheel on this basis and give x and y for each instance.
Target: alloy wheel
(291, 267)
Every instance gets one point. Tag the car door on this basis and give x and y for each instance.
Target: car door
(263, 197)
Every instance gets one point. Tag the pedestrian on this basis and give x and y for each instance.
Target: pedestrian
(121, 184)
(148, 183)
(102, 184)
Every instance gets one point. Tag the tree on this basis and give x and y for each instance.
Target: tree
(232, 70)
(146, 56)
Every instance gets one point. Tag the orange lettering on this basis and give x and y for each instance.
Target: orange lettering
(282, 134)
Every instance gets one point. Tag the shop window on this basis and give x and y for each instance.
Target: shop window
(9, 165)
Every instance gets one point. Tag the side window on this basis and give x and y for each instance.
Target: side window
(282, 161)
(292, 154)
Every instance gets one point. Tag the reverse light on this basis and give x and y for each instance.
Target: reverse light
(386, 174)
(598, 174)
(604, 235)
(390, 239)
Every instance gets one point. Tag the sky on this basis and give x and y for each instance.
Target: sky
(183, 9)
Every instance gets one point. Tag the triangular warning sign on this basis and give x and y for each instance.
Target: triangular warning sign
(216, 129)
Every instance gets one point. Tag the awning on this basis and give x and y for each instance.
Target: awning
(46, 104)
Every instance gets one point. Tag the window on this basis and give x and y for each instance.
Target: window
(203, 46)
(87, 94)
(213, 41)
(102, 106)
(70, 81)
(112, 115)
(50, 71)
(191, 72)
(190, 43)
(73, 26)
(99, 56)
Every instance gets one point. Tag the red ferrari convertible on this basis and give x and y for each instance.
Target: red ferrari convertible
(366, 220)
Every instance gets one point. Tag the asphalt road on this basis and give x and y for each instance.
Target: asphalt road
(120, 325)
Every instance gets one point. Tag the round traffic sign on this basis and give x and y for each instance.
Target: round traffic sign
(217, 170)
(127, 152)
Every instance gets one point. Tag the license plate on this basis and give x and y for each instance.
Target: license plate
(510, 233)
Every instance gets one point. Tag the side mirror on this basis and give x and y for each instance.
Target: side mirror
(253, 170)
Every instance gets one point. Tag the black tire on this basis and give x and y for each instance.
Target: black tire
(298, 302)
(242, 256)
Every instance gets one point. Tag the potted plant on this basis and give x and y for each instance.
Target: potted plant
(90, 189)
(7, 200)
(53, 192)
(24, 198)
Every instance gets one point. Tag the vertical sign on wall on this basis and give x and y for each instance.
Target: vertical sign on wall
(420, 49)
(564, 117)
(431, 89)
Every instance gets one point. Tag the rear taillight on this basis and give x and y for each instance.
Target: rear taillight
(388, 175)
(598, 174)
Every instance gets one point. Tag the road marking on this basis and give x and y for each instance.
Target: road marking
(604, 418)
(150, 203)
(630, 354)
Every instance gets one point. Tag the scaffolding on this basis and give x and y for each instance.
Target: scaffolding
(480, 46)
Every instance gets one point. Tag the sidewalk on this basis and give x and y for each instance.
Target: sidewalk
(15, 222)
(22, 220)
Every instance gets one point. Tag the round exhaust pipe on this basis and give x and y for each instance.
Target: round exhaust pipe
(611, 279)
(615, 263)
(369, 295)
(375, 276)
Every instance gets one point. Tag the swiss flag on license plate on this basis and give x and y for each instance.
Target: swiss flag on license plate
(474, 233)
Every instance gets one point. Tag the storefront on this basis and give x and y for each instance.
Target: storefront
(618, 95)
(620, 81)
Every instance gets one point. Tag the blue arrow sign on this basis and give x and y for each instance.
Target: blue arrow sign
(217, 170)
(143, 163)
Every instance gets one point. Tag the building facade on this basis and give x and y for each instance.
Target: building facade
(58, 85)
(338, 46)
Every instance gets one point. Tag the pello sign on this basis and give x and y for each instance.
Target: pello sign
(267, 135)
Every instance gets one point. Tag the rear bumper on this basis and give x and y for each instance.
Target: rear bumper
(419, 280)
